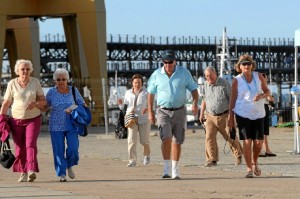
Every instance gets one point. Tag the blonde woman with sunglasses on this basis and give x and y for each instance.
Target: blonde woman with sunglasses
(248, 94)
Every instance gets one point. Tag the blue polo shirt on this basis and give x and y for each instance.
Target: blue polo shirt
(171, 92)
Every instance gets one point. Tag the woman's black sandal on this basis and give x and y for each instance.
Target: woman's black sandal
(256, 170)
(249, 174)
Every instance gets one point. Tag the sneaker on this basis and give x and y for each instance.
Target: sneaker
(62, 179)
(175, 174)
(131, 164)
(31, 176)
(238, 160)
(210, 164)
(23, 177)
(146, 160)
(165, 176)
(71, 173)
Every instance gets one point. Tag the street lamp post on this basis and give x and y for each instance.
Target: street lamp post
(295, 91)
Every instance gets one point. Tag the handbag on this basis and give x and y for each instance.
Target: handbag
(120, 130)
(7, 158)
(131, 118)
(84, 129)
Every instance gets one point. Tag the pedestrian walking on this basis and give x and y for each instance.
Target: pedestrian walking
(25, 96)
(214, 109)
(65, 142)
(135, 100)
(249, 90)
(269, 102)
(170, 84)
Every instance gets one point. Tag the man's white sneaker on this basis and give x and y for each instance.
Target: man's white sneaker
(175, 174)
(131, 164)
(31, 176)
(146, 160)
(71, 173)
(23, 177)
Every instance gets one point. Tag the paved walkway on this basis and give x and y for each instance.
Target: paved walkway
(102, 172)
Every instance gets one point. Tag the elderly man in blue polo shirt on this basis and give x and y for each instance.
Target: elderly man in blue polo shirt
(215, 105)
(170, 84)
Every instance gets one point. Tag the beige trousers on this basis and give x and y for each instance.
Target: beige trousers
(144, 133)
(213, 125)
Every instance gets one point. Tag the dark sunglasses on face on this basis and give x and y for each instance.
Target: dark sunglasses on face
(58, 80)
(23, 69)
(246, 64)
(168, 62)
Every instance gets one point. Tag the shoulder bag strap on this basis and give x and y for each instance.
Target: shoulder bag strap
(74, 95)
(135, 99)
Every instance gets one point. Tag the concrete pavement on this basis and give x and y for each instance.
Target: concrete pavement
(102, 171)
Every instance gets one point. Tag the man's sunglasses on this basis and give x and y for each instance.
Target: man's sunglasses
(168, 62)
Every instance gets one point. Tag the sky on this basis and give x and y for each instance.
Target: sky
(242, 18)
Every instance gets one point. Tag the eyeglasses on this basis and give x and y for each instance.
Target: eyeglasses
(58, 80)
(209, 75)
(246, 64)
(23, 69)
(168, 62)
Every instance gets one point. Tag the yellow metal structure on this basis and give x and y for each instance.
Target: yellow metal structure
(84, 24)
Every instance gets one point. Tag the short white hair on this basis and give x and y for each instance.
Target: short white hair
(23, 61)
(60, 71)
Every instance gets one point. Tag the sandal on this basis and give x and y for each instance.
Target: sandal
(249, 174)
(256, 169)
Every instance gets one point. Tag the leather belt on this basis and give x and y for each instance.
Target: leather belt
(221, 113)
(172, 109)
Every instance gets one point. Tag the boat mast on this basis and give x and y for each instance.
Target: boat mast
(224, 55)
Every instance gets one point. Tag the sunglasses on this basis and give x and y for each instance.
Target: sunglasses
(23, 69)
(58, 80)
(246, 64)
(168, 62)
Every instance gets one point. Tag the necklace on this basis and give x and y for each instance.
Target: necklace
(248, 84)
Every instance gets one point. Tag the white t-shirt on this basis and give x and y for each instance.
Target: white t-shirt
(21, 97)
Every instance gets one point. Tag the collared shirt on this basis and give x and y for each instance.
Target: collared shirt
(217, 96)
(171, 92)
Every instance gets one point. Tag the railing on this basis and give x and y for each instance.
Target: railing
(182, 40)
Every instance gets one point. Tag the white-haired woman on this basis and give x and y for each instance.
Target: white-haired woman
(60, 99)
(25, 96)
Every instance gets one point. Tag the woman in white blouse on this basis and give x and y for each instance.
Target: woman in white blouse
(138, 93)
